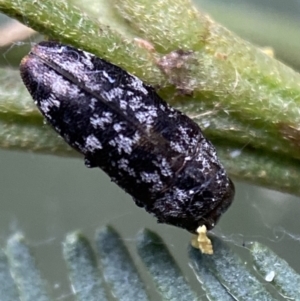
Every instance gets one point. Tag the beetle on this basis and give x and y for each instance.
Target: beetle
(154, 152)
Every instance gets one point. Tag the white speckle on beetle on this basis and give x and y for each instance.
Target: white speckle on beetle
(135, 103)
(162, 107)
(87, 60)
(177, 147)
(110, 79)
(164, 167)
(100, 121)
(92, 143)
(92, 103)
(47, 104)
(138, 85)
(153, 178)
(124, 164)
(147, 117)
(180, 194)
(112, 94)
(117, 127)
(123, 104)
(123, 143)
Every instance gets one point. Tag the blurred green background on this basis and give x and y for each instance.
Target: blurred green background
(45, 196)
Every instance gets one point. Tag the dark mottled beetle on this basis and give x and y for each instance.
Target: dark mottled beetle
(154, 152)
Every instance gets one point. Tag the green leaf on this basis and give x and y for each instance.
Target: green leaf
(27, 278)
(8, 288)
(166, 275)
(230, 271)
(118, 267)
(223, 275)
(283, 277)
(84, 275)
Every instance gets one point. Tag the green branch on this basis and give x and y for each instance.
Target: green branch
(245, 101)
